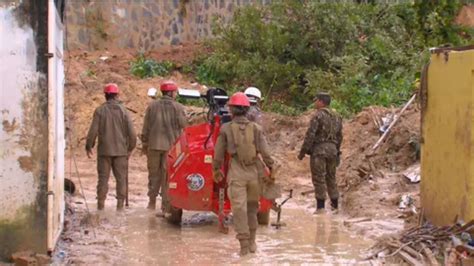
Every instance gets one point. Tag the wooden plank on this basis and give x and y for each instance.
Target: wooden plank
(431, 258)
(409, 259)
(377, 144)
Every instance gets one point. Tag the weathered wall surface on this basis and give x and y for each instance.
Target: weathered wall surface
(23, 133)
(144, 25)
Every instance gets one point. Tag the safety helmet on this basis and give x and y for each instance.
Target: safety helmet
(239, 99)
(253, 92)
(168, 85)
(152, 92)
(111, 88)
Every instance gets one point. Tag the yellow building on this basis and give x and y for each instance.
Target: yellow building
(447, 157)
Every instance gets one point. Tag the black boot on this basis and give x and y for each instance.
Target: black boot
(319, 206)
(334, 204)
(320, 203)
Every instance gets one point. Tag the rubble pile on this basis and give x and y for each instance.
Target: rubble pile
(428, 244)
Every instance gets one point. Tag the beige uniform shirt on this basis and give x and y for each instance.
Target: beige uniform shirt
(113, 127)
(225, 144)
(164, 122)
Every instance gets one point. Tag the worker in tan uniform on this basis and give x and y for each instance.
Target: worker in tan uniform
(243, 141)
(269, 189)
(113, 127)
(164, 121)
(323, 143)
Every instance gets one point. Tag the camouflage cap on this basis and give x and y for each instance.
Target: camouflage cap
(320, 95)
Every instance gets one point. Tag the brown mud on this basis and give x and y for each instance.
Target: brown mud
(371, 183)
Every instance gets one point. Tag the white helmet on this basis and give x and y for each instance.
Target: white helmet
(253, 92)
(152, 92)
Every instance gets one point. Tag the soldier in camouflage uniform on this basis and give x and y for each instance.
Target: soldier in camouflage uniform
(323, 142)
(243, 141)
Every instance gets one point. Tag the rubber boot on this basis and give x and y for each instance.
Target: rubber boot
(120, 205)
(252, 243)
(334, 205)
(244, 247)
(100, 205)
(151, 204)
(319, 206)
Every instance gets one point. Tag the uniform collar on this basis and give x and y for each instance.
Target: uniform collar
(167, 98)
(113, 101)
(240, 120)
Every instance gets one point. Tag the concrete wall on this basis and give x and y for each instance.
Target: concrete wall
(23, 133)
(144, 25)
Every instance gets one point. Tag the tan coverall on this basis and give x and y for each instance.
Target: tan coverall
(164, 121)
(243, 189)
(113, 127)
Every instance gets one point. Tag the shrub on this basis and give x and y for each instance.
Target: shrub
(147, 68)
(363, 54)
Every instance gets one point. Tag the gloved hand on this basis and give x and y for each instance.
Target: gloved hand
(301, 156)
(270, 177)
(217, 175)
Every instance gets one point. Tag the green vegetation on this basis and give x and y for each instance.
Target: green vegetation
(363, 54)
(143, 67)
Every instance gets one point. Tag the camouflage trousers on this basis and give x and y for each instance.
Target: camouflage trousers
(119, 167)
(157, 171)
(323, 172)
(244, 197)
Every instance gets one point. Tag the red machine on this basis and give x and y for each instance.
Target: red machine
(190, 182)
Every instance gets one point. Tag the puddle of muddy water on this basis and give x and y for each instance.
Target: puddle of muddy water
(306, 239)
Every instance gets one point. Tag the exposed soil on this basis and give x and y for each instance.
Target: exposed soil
(371, 183)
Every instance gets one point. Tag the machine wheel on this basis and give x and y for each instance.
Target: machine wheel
(175, 216)
(263, 218)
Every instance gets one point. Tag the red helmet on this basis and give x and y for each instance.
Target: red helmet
(168, 85)
(111, 88)
(239, 99)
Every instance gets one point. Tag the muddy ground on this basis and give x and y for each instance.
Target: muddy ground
(371, 183)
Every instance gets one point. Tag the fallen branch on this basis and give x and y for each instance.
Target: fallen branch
(409, 259)
(431, 258)
(377, 144)
(131, 110)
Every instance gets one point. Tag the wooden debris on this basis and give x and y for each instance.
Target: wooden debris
(377, 144)
(409, 259)
(429, 255)
(356, 220)
(418, 245)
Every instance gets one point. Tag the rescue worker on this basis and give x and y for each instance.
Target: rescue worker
(113, 127)
(164, 121)
(254, 114)
(267, 183)
(323, 142)
(243, 141)
(152, 93)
